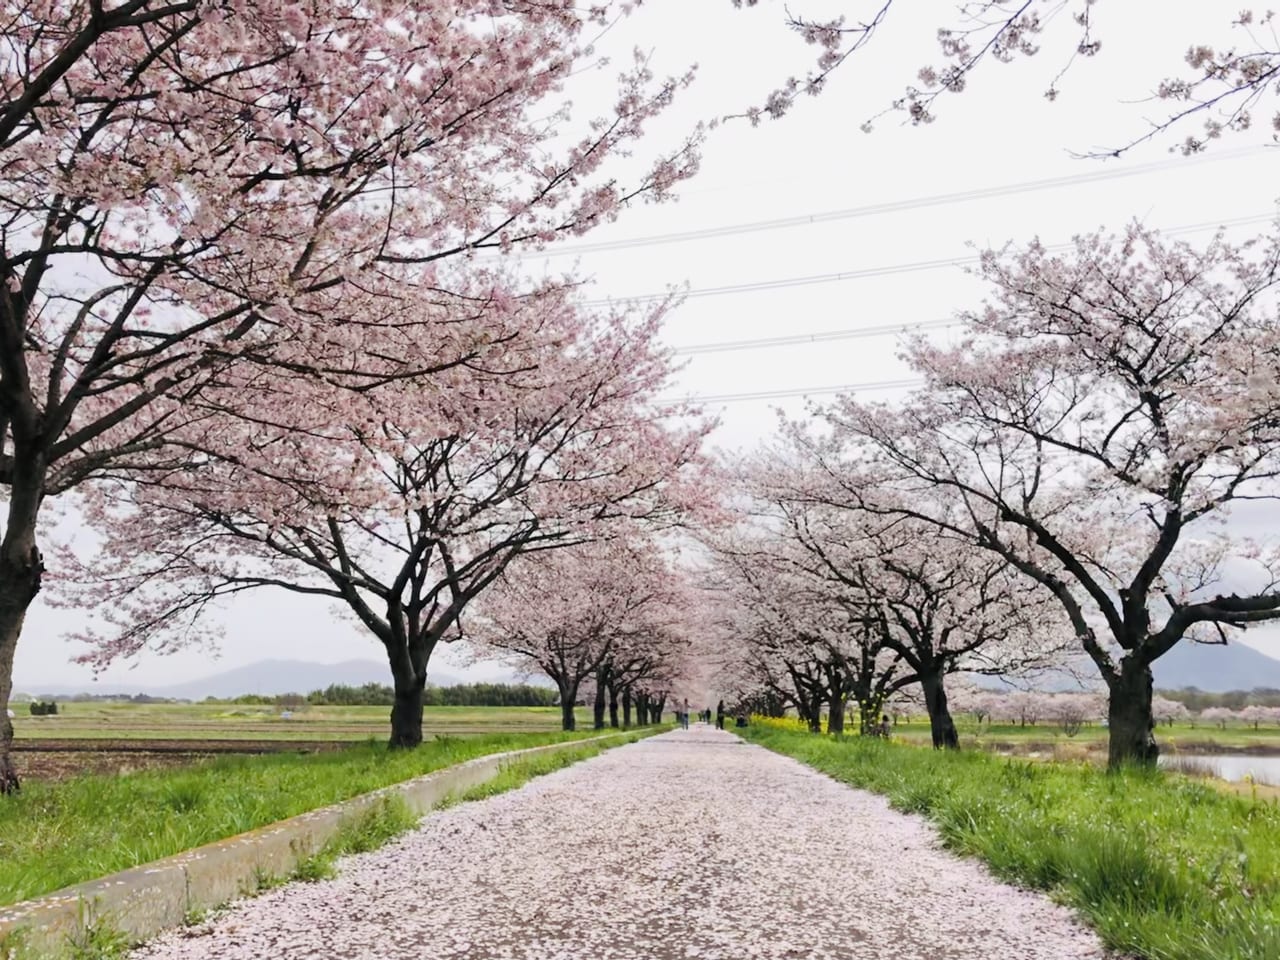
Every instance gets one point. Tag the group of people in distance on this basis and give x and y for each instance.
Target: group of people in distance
(704, 716)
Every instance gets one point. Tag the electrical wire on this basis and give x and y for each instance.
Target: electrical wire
(887, 270)
(896, 206)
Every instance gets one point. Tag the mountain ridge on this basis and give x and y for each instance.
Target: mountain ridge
(263, 677)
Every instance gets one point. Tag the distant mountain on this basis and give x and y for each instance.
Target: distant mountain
(1212, 668)
(267, 677)
(1216, 669)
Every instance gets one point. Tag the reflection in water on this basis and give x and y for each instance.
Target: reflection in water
(1228, 766)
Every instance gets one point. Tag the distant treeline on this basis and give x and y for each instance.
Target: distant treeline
(381, 695)
(1197, 700)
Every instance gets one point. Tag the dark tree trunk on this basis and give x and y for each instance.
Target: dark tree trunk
(409, 672)
(568, 694)
(598, 707)
(941, 726)
(12, 613)
(1131, 724)
(658, 707)
(642, 709)
(809, 709)
(835, 714)
(868, 716)
(21, 570)
(626, 707)
(406, 716)
(613, 707)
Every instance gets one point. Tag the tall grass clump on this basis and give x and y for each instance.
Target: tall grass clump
(1163, 866)
(53, 835)
(384, 820)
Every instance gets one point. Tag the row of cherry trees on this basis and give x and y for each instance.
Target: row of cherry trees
(1030, 707)
(1063, 477)
(243, 334)
(1067, 708)
(829, 608)
(613, 616)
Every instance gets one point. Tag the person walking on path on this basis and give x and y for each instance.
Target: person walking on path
(684, 715)
(720, 715)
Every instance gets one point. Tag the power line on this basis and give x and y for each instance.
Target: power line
(824, 336)
(807, 391)
(895, 206)
(887, 270)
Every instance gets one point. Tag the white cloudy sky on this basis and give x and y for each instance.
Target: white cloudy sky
(816, 162)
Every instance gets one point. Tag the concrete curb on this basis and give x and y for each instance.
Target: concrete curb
(145, 900)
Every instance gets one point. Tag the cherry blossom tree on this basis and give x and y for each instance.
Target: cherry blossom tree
(1221, 87)
(1255, 714)
(569, 612)
(939, 604)
(1168, 711)
(981, 704)
(1219, 715)
(1072, 711)
(1107, 408)
(192, 189)
(406, 508)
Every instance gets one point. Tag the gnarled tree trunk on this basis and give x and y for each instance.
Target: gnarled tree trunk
(626, 707)
(1131, 723)
(409, 673)
(20, 573)
(568, 696)
(941, 725)
(835, 714)
(613, 706)
(598, 707)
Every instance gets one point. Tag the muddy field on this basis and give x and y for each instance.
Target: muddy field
(61, 759)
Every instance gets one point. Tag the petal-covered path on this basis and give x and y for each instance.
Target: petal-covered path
(691, 844)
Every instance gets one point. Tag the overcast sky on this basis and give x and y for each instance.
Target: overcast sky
(1000, 140)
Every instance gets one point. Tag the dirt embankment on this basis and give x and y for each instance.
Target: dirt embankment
(61, 759)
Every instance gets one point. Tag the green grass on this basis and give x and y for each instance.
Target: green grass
(53, 835)
(387, 818)
(222, 721)
(517, 773)
(1047, 733)
(1162, 866)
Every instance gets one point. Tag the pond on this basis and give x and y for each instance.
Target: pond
(1228, 766)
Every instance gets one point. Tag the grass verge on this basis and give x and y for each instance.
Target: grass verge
(518, 772)
(1161, 865)
(54, 835)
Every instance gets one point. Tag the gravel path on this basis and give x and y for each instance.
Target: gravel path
(691, 844)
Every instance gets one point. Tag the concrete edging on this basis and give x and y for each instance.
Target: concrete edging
(145, 900)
